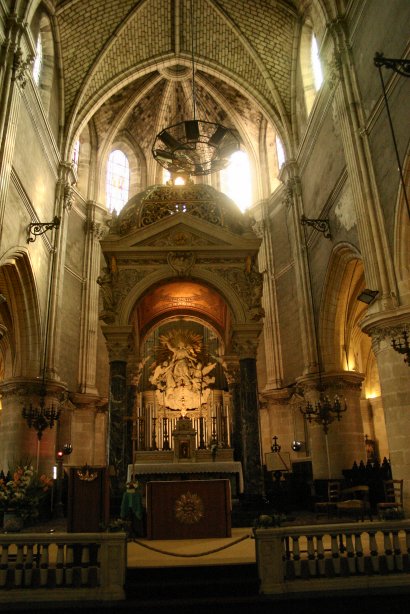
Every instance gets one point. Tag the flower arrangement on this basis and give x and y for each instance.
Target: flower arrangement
(22, 491)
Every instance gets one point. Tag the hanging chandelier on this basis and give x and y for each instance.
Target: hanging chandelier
(195, 147)
(324, 411)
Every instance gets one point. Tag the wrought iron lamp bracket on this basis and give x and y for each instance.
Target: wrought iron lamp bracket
(319, 225)
(401, 67)
(402, 345)
(39, 228)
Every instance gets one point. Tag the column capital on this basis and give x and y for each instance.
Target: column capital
(230, 366)
(335, 380)
(245, 340)
(118, 342)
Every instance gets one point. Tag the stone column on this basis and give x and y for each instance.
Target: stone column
(231, 370)
(394, 376)
(245, 347)
(18, 440)
(63, 204)
(15, 60)
(271, 331)
(374, 245)
(344, 442)
(95, 230)
(293, 202)
(119, 447)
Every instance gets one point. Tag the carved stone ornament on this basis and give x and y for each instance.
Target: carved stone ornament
(179, 238)
(68, 196)
(232, 373)
(259, 228)
(334, 69)
(249, 286)
(288, 196)
(380, 334)
(181, 262)
(21, 67)
(245, 347)
(160, 202)
(97, 229)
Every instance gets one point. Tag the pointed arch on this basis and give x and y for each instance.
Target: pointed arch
(20, 315)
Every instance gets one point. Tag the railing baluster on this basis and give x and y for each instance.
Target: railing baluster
(28, 565)
(4, 563)
(311, 557)
(18, 574)
(335, 553)
(296, 555)
(320, 555)
(398, 556)
(44, 565)
(358, 546)
(374, 553)
(351, 559)
(388, 550)
(60, 565)
(85, 564)
(69, 562)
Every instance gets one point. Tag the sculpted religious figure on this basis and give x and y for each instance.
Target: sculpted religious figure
(181, 380)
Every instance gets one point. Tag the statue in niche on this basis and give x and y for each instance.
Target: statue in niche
(181, 380)
(105, 283)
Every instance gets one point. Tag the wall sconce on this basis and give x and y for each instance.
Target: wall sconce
(367, 296)
(401, 345)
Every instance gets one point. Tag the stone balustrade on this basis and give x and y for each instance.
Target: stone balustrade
(62, 567)
(353, 556)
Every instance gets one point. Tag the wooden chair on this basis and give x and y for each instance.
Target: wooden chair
(355, 500)
(333, 496)
(392, 506)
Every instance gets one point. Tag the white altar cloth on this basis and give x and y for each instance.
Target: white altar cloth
(228, 467)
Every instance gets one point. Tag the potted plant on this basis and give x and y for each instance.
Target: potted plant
(21, 493)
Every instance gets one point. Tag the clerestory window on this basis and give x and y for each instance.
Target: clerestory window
(236, 180)
(117, 180)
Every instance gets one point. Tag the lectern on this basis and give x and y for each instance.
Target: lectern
(88, 499)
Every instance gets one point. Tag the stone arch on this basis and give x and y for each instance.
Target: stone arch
(20, 312)
(340, 311)
(402, 238)
(213, 280)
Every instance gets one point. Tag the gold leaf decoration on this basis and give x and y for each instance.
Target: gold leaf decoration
(189, 508)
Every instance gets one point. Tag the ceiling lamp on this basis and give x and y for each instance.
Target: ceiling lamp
(194, 146)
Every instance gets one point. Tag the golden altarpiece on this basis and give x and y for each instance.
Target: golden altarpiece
(181, 311)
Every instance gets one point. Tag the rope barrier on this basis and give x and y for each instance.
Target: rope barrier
(236, 541)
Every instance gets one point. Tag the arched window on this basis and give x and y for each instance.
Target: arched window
(38, 61)
(280, 152)
(117, 180)
(236, 180)
(76, 155)
(316, 65)
(311, 68)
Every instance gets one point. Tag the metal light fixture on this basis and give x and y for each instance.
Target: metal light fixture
(195, 147)
(402, 346)
(367, 296)
(324, 411)
(40, 417)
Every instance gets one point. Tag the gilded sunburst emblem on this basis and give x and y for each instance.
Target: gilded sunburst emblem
(189, 508)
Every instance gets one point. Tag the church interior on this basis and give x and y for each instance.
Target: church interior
(205, 259)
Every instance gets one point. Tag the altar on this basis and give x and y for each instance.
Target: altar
(190, 509)
(165, 471)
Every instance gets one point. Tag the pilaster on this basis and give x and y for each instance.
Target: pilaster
(271, 330)
(94, 230)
